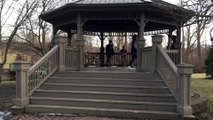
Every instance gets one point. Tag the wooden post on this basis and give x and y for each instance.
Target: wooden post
(140, 42)
(102, 50)
(184, 102)
(55, 30)
(169, 39)
(61, 41)
(69, 37)
(126, 39)
(156, 40)
(22, 98)
(80, 42)
(179, 45)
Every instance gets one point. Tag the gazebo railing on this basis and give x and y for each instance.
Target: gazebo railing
(93, 58)
(146, 58)
(71, 58)
(173, 54)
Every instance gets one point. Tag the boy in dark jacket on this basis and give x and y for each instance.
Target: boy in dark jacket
(133, 51)
(123, 53)
(109, 52)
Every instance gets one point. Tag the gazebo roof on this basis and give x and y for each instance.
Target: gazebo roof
(168, 14)
(110, 1)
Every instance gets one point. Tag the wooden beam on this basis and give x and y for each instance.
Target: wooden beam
(107, 15)
(165, 31)
(162, 21)
(65, 22)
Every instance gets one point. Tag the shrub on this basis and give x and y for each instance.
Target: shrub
(209, 63)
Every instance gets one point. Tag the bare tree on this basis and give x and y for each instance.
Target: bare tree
(211, 35)
(36, 32)
(22, 10)
(2, 3)
(4, 10)
(195, 28)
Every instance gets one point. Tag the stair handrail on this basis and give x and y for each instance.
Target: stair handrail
(28, 80)
(166, 68)
(177, 78)
(43, 69)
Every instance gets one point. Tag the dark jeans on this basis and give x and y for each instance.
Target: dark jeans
(123, 59)
(134, 56)
(108, 61)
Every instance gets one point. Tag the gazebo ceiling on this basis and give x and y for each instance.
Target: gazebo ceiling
(117, 15)
(116, 26)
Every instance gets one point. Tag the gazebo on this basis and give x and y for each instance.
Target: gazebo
(157, 89)
(98, 17)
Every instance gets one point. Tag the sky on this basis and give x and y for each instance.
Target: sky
(205, 37)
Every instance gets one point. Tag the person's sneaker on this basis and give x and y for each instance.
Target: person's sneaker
(133, 66)
(130, 67)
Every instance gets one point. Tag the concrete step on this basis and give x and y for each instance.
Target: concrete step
(106, 74)
(106, 88)
(105, 95)
(106, 81)
(118, 113)
(131, 95)
(131, 105)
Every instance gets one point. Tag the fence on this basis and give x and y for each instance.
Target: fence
(93, 58)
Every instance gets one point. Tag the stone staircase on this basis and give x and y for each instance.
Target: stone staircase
(132, 95)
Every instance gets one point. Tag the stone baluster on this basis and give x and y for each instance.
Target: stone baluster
(184, 89)
(22, 98)
(156, 40)
(61, 41)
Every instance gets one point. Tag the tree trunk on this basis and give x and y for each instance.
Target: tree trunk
(199, 56)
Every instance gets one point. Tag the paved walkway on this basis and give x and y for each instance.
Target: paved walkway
(52, 117)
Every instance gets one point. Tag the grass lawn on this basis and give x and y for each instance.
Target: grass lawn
(7, 94)
(201, 84)
(6, 86)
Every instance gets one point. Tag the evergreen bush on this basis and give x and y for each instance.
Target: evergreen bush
(209, 63)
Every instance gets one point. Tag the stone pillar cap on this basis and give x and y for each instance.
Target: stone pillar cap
(157, 39)
(185, 65)
(18, 65)
(185, 68)
(21, 62)
(60, 39)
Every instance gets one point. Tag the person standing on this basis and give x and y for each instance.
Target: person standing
(174, 43)
(133, 51)
(109, 52)
(123, 53)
